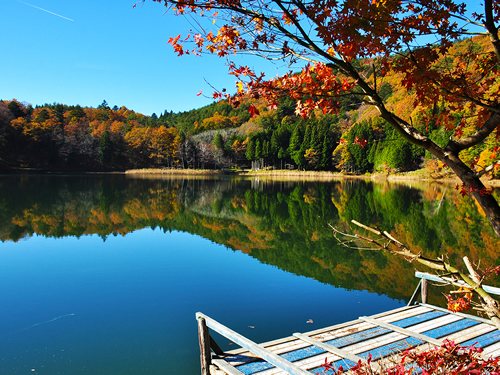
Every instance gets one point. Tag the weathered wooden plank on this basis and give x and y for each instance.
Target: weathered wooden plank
(467, 316)
(470, 333)
(392, 337)
(492, 351)
(404, 331)
(214, 370)
(328, 348)
(389, 340)
(344, 336)
(253, 347)
(353, 336)
(444, 280)
(226, 367)
(307, 357)
(391, 315)
(407, 342)
(307, 364)
(461, 336)
(296, 344)
(366, 346)
(484, 340)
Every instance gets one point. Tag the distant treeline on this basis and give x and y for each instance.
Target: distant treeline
(61, 137)
(57, 136)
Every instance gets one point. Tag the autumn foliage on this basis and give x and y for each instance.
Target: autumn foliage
(450, 358)
(348, 47)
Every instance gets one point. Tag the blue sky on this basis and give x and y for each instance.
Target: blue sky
(107, 51)
(84, 52)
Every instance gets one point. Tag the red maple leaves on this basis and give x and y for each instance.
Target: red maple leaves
(449, 358)
(360, 141)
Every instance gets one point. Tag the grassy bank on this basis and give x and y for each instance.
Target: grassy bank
(419, 175)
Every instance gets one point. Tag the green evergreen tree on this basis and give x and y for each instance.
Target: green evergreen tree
(258, 149)
(295, 144)
(218, 141)
(400, 156)
(42, 116)
(16, 109)
(361, 131)
(58, 112)
(326, 154)
(266, 149)
(77, 112)
(105, 148)
(286, 108)
(306, 142)
(250, 153)
(103, 105)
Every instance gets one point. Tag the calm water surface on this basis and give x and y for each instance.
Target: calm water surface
(89, 287)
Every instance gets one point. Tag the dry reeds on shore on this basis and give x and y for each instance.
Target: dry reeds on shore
(300, 175)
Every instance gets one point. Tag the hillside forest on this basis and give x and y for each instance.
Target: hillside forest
(354, 140)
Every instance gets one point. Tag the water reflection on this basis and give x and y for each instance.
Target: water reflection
(282, 223)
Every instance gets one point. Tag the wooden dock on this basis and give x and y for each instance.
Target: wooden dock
(379, 336)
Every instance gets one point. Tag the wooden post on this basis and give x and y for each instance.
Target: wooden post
(204, 339)
(260, 351)
(424, 290)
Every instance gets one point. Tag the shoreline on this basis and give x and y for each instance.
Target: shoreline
(305, 175)
(413, 176)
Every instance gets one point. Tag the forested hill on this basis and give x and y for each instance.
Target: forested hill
(61, 137)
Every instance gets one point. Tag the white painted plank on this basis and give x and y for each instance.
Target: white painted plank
(445, 280)
(226, 367)
(329, 348)
(253, 347)
(402, 313)
(404, 331)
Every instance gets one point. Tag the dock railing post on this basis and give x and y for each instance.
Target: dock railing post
(424, 290)
(204, 339)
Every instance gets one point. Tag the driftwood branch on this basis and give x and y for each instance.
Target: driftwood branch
(448, 272)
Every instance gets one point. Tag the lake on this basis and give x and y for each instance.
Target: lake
(103, 274)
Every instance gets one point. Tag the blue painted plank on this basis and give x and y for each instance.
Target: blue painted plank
(448, 329)
(406, 343)
(483, 340)
(260, 365)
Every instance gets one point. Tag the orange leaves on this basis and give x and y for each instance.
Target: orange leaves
(177, 47)
(290, 18)
(227, 39)
(460, 304)
(316, 87)
(241, 71)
